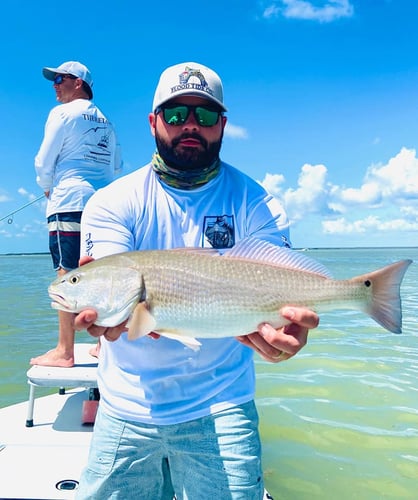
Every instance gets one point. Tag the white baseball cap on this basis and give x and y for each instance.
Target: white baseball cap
(188, 79)
(70, 68)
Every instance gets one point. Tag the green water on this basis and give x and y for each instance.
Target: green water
(340, 420)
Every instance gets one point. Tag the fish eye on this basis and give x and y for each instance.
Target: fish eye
(74, 279)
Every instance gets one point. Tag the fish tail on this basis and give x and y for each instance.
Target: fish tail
(385, 305)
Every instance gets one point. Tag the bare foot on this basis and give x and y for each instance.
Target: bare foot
(94, 351)
(53, 358)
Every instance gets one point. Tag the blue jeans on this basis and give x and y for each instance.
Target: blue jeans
(217, 457)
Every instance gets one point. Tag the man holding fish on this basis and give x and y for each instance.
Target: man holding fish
(174, 419)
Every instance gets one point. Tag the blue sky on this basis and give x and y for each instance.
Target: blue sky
(322, 101)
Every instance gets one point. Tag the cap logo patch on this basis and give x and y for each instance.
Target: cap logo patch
(184, 83)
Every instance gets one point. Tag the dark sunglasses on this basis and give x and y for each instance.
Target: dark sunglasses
(178, 114)
(60, 78)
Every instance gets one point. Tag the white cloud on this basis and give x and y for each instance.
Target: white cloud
(4, 196)
(390, 190)
(309, 197)
(30, 196)
(271, 11)
(409, 212)
(369, 194)
(311, 193)
(369, 224)
(272, 182)
(392, 183)
(399, 177)
(342, 226)
(328, 11)
(235, 131)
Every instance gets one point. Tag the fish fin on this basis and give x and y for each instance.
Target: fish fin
(385, 307)
(264, 251)
(187, 341)
(141, 322)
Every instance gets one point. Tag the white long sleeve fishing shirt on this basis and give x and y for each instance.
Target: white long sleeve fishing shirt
(78, 155)
(162, 381)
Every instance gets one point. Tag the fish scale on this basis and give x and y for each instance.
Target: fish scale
(198, 301)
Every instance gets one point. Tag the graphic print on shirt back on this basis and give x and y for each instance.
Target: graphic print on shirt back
(218, 231)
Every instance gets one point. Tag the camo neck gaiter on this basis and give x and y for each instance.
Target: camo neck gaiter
(184, 179)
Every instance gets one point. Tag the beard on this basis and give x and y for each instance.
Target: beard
(184, 158)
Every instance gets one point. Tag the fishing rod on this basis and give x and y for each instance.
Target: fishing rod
(9, 216)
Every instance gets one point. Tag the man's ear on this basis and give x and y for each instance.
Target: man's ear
(152, 118)
(78, 83)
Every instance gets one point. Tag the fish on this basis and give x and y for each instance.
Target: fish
(191, 293)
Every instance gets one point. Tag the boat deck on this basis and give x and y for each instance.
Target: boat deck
(33, 460)
(44, 460)
(53, 449)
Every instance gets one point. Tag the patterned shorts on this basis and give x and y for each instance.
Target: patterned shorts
(64, 239)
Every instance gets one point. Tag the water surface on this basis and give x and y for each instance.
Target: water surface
(338, 421)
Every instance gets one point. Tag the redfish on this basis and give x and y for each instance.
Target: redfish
(191, 293)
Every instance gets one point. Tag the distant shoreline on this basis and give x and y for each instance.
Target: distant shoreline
(23, 253)
(303, 249)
